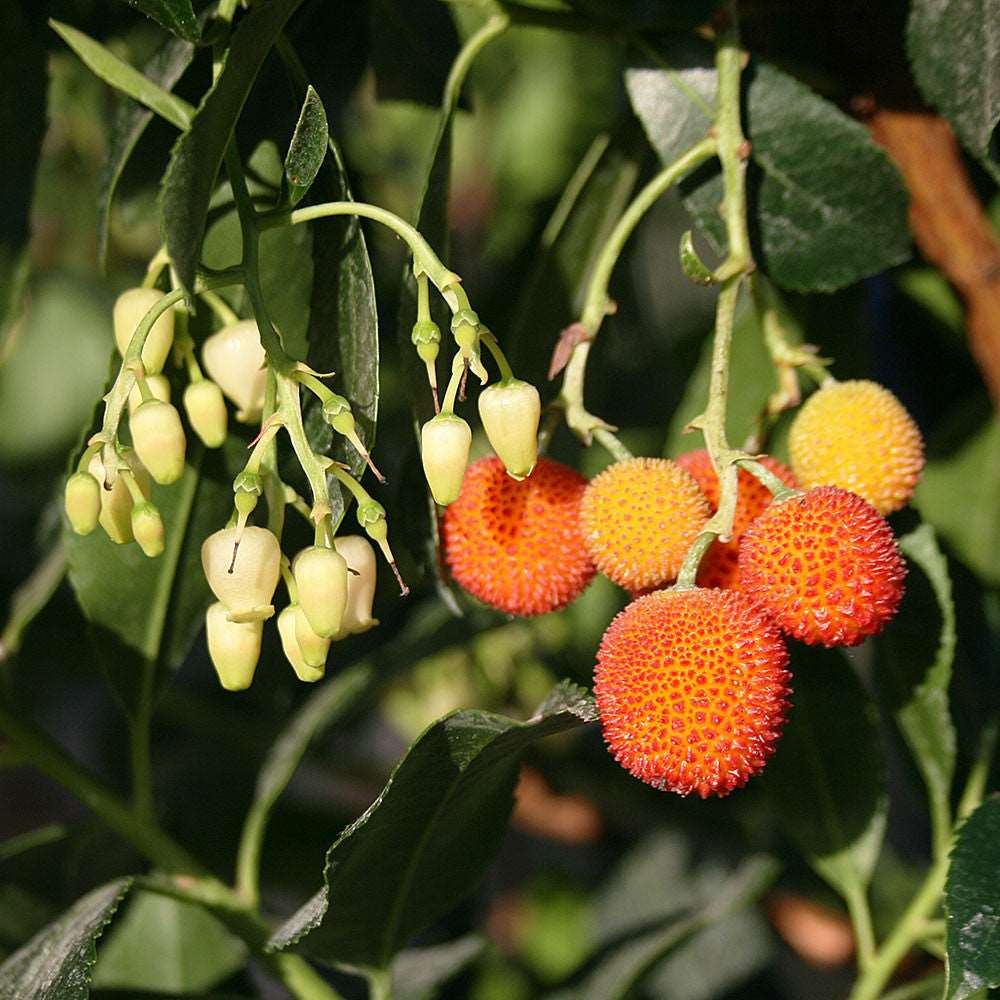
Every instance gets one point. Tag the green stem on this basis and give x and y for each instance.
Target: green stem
(474, 44)
(861, 919)
(312, 464)
(220, 307)
(611, 444)
(487, 337)
(929, 986)
(379, 984)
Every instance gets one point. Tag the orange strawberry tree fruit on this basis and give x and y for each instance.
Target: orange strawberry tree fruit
(294, 688)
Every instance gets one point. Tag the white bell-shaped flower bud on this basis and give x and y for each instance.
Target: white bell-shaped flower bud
(159, 387)
(82, 502)
(233, 646)
(234, 358)
(510, 411)
(129, 309)
(321, 580)
(243, 577)
(116, 504)
(293, 651)
(361, 579)
(147, 528)
(158, 439)
(444, 450)
(206, 412)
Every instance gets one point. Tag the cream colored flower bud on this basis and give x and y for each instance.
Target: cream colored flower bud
(510, 412)
(444, 450)
(206, 412)
(234, 358)
(233, 646)
(244, 584)
(361, 579)
(293, 651)
(82, 501)
(159, 387)
(129, 309)
(147, 528)
(321, 579)
(116, 504)
(158, 438)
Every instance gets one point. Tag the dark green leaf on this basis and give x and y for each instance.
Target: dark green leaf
(165, 68)
(954, 50)
(22, 121)
(826, 205)
(828, 775)
(197, 155)
(175, 15)
(56, 963)
(150, 610)
(307, 149)
(418, 972)
(426, 840)
(914, 670)
(126, 78)
(163, 945)
(973, 937)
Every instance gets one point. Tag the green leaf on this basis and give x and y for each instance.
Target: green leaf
(56, 963)
(196, 157)
(971, 894)
(126, 78)
(426, 840)
(827, 778)
(175, 15)
(954, 50)
(959, 493)
(164, 945)
(308, 147)
(418, 972)
(914, 669)
(164, 69)
(826, 205)
(150, 610)
(625, 966)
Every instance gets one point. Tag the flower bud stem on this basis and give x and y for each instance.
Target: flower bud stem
(220, 307)
(489, 339)
(128, 477)
(155, 268)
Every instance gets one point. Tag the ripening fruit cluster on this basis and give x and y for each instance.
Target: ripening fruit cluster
(693, 685)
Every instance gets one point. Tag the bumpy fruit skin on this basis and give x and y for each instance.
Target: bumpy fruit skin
(692, 688)
(825, 566)
(858, 436)
(720, 566)
(639, 518)
(516, 544)
(130, 307)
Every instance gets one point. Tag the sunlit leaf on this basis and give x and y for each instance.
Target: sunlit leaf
(307, 148)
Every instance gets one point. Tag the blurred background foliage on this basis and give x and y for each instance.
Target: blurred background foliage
(592, 855)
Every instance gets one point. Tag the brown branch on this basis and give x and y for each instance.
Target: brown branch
(949, 224)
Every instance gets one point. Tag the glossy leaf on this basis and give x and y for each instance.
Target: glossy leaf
(826, 205)
(163, 945)
(954, 51)
(175, 15)
(827, 777)
(308, 147)
(164, 69)
(196, 157)
(56, 963)
(914, 668)
(120, 75)
(426, 840)
(973, 934)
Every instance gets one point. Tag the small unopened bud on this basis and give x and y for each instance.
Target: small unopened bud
(82, 501)
(129, 309)
(321, 579)
(337, 413)
(361, 579)
(510, 412)
(159, 387)
(293, 651)
(465, 328)
(243, 574)
(426, 338)
(147, 528)
(371, 517)
(116, 504)
(233, 646)
(234, 358)
(158, 438)
(206, 412)
(444, 450)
